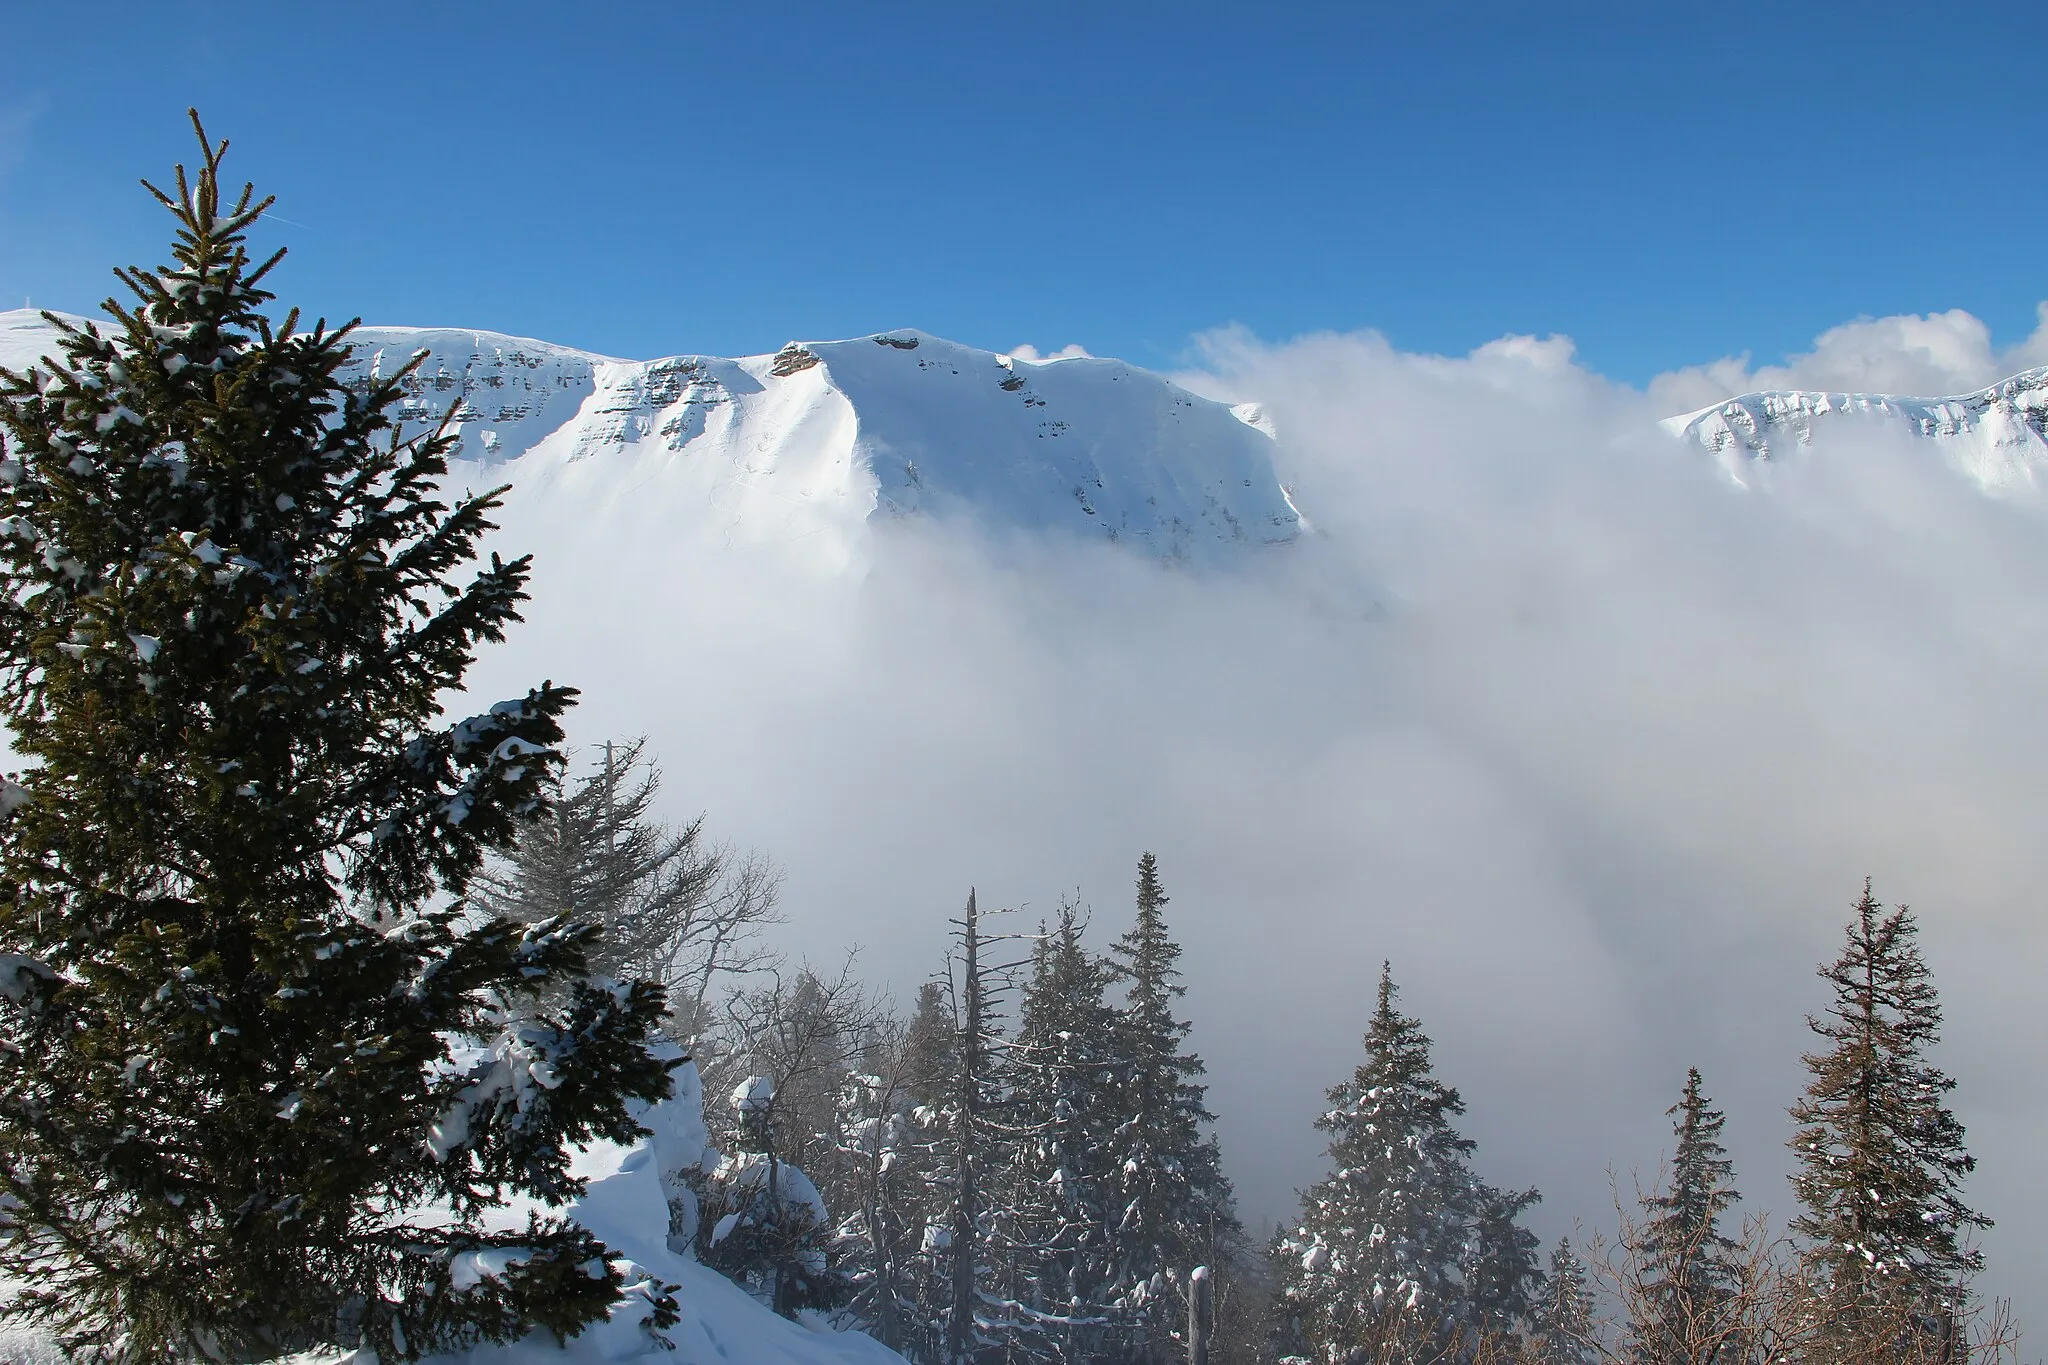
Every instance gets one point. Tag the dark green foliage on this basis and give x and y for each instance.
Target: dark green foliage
(916, 1248)
(1500, 1267)
(1881, 1157)
(1399, 1246)
(1687, 1268)
(247, 1035)
(1063, 1216)
(1176, 1204)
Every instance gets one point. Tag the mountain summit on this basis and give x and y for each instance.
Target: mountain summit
(1997, 436)
(823, 436)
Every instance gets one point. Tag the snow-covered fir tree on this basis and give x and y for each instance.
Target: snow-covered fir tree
(1500, 1268)
(931, 1068)
(1687, 1271)
(966, 1139)
(1173, 1204)
(1386, 1242)
(256, 1054)
(1881, 1158)
(806, 1031)
(1564, 1322)
(1062, 1113)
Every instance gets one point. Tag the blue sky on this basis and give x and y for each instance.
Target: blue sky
(1665, 183)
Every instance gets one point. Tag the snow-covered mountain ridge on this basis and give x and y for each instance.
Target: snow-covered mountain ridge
(1997, 436)
(822, 436)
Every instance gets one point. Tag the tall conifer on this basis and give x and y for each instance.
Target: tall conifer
(1174, 1200)
(1062, 1113)
(1381, 1237)
(1399, 1247)
(1564, 1323)
(1881, 1158)
(1686, 1266)
(250, 1039)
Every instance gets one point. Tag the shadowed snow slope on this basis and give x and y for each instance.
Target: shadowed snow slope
(1997, 436)
(804, 446)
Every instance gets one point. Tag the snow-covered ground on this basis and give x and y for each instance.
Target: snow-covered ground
(627, 1205)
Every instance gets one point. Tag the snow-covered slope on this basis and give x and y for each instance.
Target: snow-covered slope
(811, 443)
(1997, 436)
(627, 1205)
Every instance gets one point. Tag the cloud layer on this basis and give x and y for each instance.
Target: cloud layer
(1931, 356)
(1595, 746)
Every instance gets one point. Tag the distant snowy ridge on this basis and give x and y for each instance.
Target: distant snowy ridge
(810, 443)
(1997, 436)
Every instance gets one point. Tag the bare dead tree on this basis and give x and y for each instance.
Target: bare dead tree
(805, 1030)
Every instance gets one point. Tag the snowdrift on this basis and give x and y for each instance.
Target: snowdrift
(627, 1205)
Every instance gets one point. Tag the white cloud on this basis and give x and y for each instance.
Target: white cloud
(18, 119)
(1031, 355)
(1930, 356)
(1596, 747)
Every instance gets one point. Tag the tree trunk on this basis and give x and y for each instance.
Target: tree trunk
(960, 1330)
(1201, 1315)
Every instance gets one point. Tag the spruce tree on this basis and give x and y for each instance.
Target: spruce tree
(967, 1148)
(1686, 1267)
(1564, 1324)
(931, 1067)
(255, 1053)
(1175, 1204)
(763, 1223)
(1399, 1243)
(1382, 1235)
(1880, 1157)
(1500, 1268)
(1061, 1116)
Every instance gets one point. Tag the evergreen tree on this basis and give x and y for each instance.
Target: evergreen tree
(1399, 1244)
(1174, 1200)
(1880, 1157)
(1564, 1313)
(965, 1142)
(1500, 1269)
(255, 1054)
(931, 1068)
(931, 1047)
(1686, 1266)
(674, 907)
(1061, 1114)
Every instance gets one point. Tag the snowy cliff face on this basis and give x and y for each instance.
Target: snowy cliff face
(813, 442)
(1998, 436)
